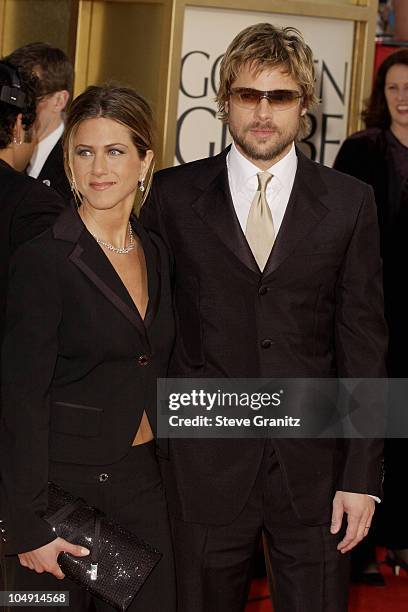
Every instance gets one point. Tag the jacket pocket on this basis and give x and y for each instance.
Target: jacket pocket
(75, 419)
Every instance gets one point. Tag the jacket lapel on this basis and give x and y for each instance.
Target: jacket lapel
(304, 211)
(215, 207)
(153, 266)
(92, 261)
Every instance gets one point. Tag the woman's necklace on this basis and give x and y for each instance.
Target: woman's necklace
(119, 250)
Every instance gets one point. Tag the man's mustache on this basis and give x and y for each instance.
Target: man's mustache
(263, 126)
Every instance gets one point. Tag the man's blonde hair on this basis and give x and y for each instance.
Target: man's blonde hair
(264, 46)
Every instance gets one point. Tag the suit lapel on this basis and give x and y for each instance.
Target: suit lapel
(153, 272)
(92, 261)
(216, 209)
(304, 211)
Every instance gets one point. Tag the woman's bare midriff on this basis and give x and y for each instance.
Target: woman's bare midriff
(144, 433)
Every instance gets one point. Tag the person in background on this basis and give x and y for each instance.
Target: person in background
(277, 274)
(55, 77)
(378, 156)
(27, 208)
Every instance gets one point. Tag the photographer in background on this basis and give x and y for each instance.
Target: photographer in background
(55, 76)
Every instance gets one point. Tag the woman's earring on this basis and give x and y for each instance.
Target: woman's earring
(141, 185)
(75, 193)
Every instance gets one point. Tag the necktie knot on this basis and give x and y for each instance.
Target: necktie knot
(263, 180)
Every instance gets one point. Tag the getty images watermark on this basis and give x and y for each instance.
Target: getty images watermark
(220, 400)
(286, 408)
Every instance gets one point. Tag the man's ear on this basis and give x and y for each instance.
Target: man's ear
(61, 100)
(18, 130)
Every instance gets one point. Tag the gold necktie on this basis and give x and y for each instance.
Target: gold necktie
(260, 232)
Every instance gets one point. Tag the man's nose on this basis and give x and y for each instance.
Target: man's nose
(263, 108)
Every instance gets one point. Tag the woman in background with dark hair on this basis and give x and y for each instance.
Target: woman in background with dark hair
(378, 155)
(89, 330)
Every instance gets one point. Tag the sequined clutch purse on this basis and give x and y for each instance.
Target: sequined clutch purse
(119, 561)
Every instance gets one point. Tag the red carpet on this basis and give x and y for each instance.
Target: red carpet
(391, 598)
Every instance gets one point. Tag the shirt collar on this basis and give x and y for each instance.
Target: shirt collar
(242, 171)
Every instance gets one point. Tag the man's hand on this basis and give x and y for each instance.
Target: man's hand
(359, 509)
(44, 559)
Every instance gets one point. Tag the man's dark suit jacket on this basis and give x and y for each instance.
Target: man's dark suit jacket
(27, 208)
(79, 365)
(53, 173)
(318, 303)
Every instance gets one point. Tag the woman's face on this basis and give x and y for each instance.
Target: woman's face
(396, 94)
(105, 163)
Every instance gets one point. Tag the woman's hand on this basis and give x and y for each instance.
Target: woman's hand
(44, 559)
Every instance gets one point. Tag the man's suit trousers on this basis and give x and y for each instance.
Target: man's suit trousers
(214, 563)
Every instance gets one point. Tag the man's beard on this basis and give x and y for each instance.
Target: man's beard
(257, 152)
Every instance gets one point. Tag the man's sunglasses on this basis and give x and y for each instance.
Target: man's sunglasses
(278, 99)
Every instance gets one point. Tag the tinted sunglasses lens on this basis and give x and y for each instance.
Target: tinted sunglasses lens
(248, 98)
(280, 99)
(283, 98)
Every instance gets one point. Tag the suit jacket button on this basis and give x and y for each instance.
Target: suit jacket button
(262, 290)
(266, 343)
(103, 477)
(143, 360)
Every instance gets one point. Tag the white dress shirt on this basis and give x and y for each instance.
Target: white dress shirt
(42, 151)
(243, 182)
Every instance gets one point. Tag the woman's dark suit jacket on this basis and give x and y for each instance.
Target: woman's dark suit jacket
(79, 365)
(366, 155)
(369, 155)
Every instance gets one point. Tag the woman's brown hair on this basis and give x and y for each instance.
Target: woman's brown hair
(376, 113)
